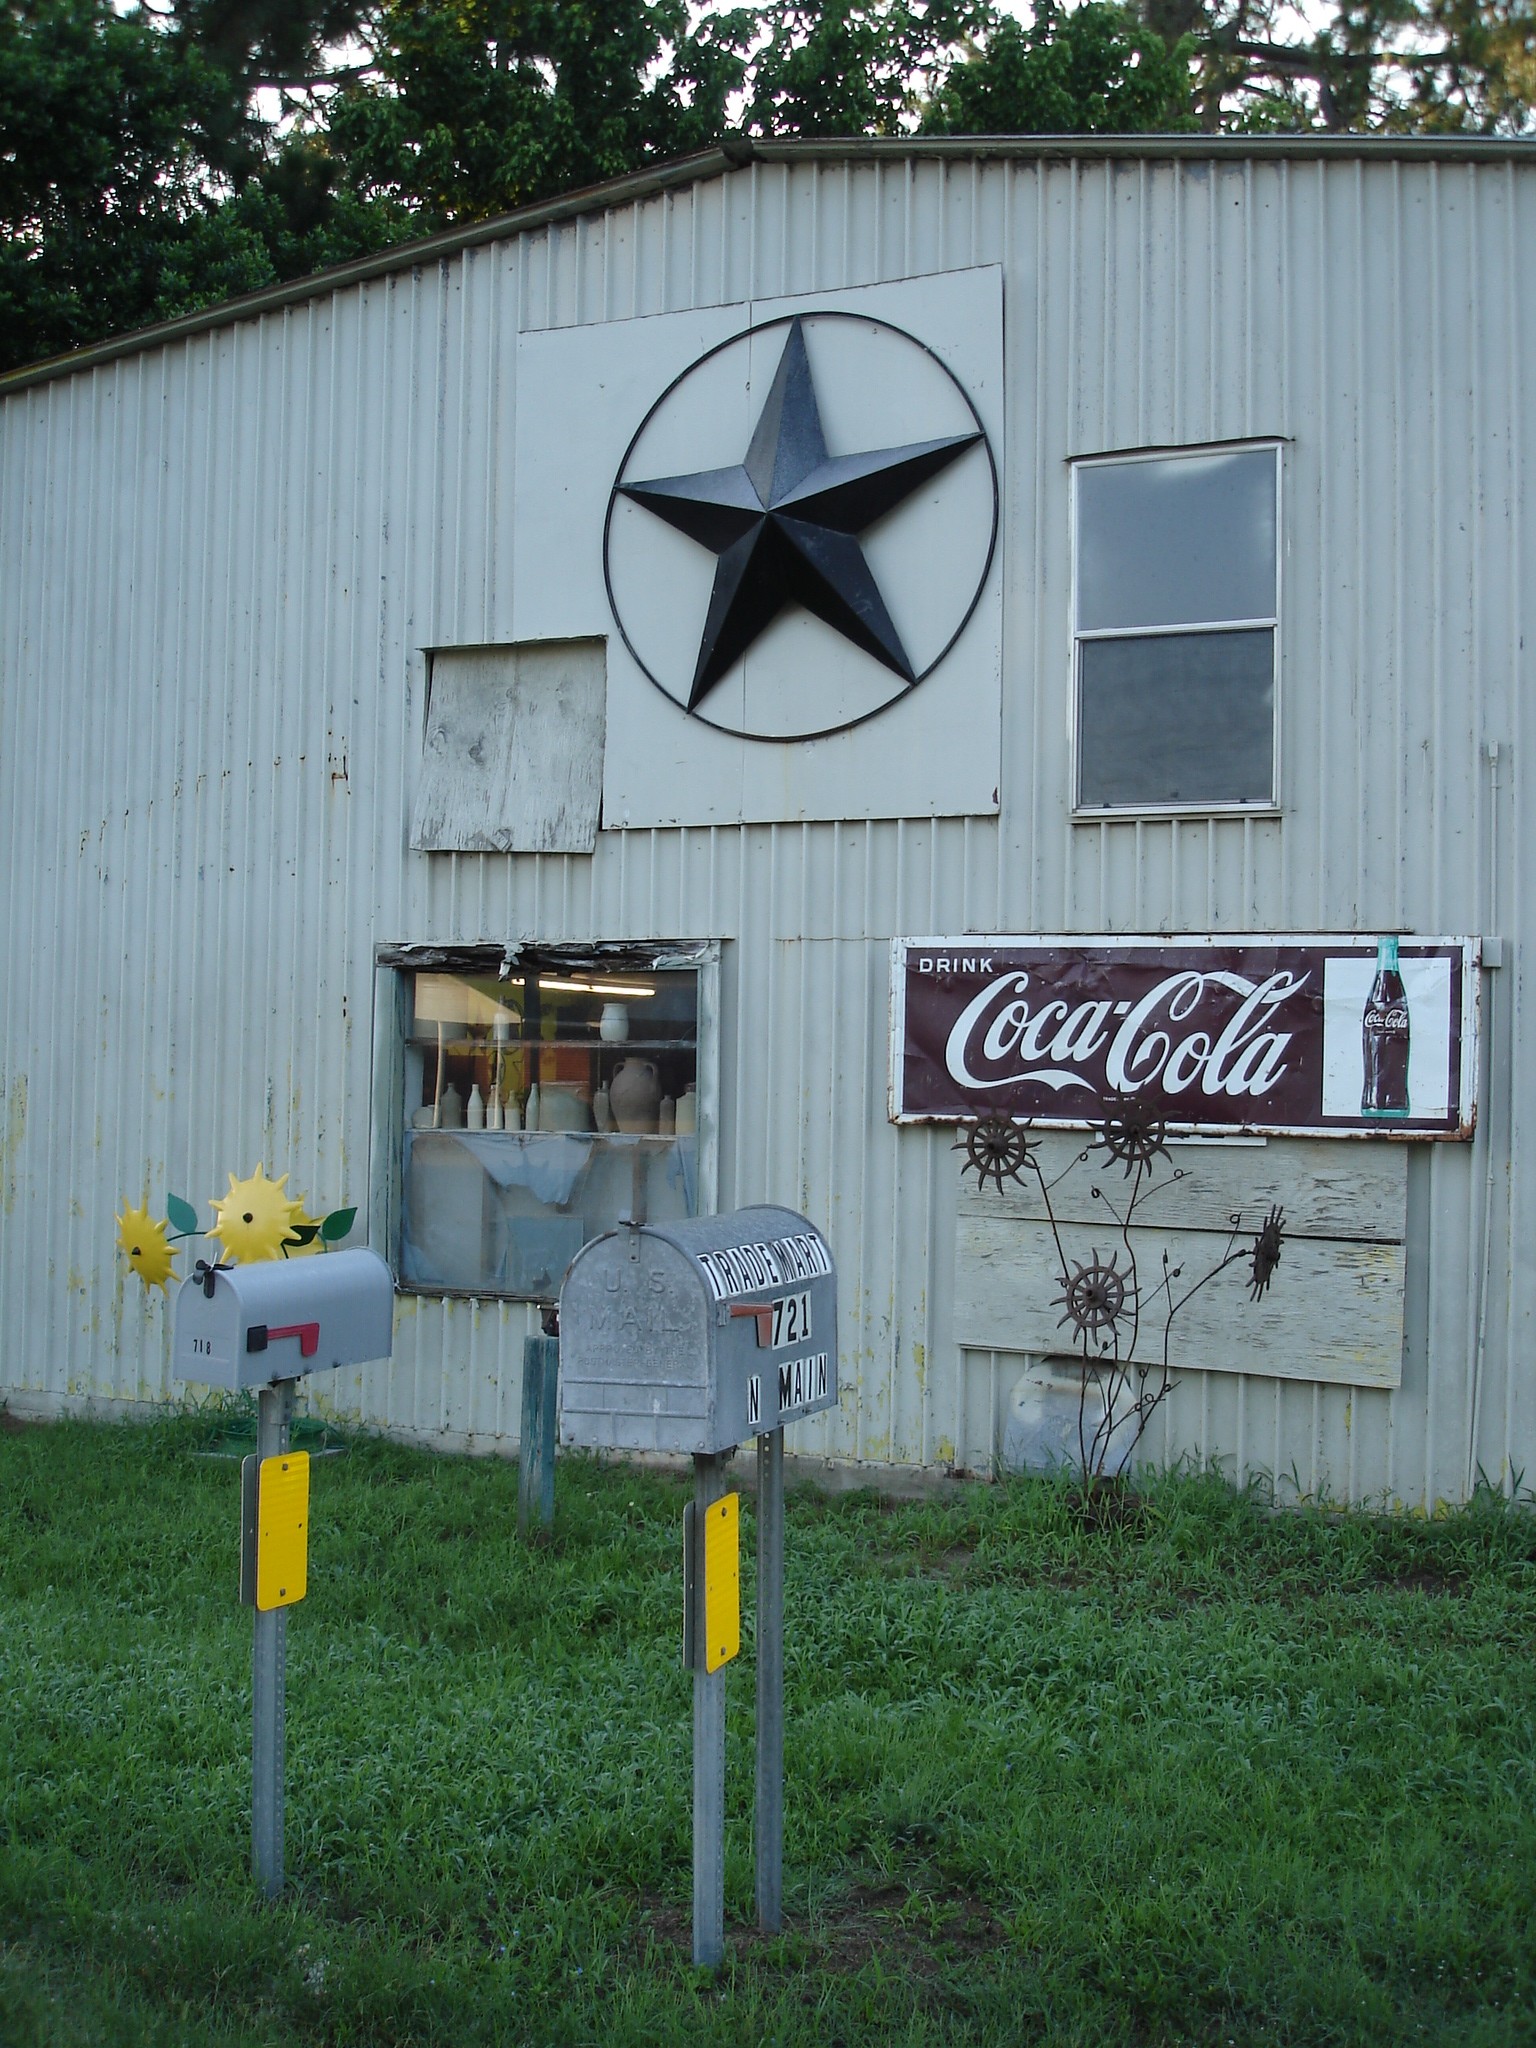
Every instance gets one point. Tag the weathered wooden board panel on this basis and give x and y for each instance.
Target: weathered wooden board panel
(512, 760)
(1333, 1312)
(1329, 1188)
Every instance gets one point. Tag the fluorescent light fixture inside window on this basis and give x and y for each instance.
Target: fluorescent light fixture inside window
(632, 989)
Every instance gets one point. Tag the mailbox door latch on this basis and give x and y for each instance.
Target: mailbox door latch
(259, 1336)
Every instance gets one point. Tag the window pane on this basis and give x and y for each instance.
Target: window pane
(536, 1112)
(1183, 541)
(1185, 718)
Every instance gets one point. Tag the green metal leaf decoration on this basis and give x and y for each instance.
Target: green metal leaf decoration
(302, 1233)
(336, 1225)
(183, 1216)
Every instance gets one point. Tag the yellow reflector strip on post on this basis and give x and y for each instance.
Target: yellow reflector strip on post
(282, 1530)
(722, 1582)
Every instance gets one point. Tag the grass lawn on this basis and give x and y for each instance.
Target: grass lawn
(1219, 1777)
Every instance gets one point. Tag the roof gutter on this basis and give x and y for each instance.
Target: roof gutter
(737, 151)
(1201, 148)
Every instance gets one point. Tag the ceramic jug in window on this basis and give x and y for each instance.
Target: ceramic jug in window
(634, 1094)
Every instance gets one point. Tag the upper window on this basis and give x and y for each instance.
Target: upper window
(1176, 613)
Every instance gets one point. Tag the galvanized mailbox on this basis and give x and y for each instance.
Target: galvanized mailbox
(248, 1326)
(692, 1337)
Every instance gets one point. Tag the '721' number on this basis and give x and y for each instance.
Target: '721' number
(791, 1320)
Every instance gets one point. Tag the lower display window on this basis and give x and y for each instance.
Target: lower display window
(541, 1099)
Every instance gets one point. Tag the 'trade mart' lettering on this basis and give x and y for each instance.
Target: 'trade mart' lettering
(744, 1268)
(801, 1381)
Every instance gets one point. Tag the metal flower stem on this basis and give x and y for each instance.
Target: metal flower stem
(1100, 1298)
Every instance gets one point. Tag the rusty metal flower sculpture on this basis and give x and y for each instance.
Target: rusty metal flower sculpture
(1131, 1131)
(1265, 1253)
(995, 1146)
(1119, 1317)
(1095, 1297)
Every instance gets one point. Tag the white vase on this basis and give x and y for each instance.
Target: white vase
(613, 1025)
(531, 1109)
(688, 1111)
(635, 1096)
(474, 1113)
(666, 1117)
(450, 1109)
(602, 1113)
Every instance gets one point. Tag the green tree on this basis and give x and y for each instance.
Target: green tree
(476, 106)
(1398, 66)
(1088, 69)
(854, 67)
(101, 166)
(136, 181)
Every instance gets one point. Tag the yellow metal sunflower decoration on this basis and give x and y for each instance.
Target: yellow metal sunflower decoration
(255, 1218)
(145, 1245)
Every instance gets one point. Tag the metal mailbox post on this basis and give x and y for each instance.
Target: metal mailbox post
(264, 1327)
(692, 1337)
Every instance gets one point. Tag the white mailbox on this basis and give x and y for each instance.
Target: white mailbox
(247, 1326)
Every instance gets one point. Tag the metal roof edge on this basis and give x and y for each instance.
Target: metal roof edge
(316, 284)
(1431, 148)
(734, 153)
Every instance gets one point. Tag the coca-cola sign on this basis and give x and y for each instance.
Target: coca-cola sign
(1314, 1034)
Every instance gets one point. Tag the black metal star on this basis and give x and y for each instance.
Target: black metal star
(784, 525)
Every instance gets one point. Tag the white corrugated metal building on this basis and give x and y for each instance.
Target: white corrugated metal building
(329, 670)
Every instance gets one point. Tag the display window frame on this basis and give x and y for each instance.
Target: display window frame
(451, 1015)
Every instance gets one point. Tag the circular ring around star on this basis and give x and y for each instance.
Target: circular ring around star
(802, 526)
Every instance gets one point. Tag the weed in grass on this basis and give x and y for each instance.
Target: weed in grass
(1226, 1777)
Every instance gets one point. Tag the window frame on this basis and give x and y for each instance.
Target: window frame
(1261, 807)
(394, 967)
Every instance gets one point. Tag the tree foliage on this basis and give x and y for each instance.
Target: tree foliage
(103, 161)
(480, 105)
(1094, 69)
(152, 162)
(1398, 66)
(853, 67)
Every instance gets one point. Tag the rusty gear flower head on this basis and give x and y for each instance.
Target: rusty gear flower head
(1265, 1255)
(1130, 1130)
(996, 1147)
(1095, 1296)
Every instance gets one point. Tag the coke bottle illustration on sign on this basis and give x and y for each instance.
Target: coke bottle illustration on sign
(1384, 1035)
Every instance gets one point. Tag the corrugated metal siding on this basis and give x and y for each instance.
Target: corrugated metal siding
(220, 558)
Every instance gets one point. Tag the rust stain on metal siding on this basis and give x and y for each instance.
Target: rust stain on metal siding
(12, 1132)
